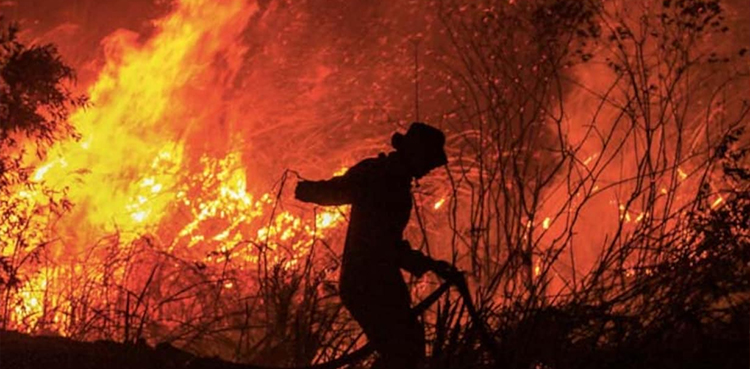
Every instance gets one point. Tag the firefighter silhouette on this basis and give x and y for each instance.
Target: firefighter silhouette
(371, 285)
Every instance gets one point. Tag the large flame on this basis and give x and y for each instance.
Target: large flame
(155, 158)
(131, 152)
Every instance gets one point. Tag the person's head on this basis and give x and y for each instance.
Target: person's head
(421, 147)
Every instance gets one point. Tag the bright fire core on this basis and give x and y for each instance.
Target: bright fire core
(143, 167)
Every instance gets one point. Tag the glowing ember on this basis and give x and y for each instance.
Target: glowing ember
(545, 223)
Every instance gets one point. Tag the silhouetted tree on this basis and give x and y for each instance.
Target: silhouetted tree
(35, 99)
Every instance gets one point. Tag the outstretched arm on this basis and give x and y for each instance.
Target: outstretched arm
(339, 190)
(335, 191)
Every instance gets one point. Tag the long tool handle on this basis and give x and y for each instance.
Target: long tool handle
(487, 341)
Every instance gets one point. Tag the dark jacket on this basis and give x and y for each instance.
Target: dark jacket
(379, 190)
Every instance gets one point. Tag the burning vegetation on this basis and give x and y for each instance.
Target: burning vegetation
(597, 193)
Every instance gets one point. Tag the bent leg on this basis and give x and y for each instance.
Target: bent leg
(386, 318)
(403, 348)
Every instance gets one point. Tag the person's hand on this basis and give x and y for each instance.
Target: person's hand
(302, 190)
(447, 271)
(405, 244)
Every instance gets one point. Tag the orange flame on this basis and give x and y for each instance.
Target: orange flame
(142, 167)
(131, 153)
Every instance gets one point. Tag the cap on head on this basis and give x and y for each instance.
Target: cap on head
(423, 140)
